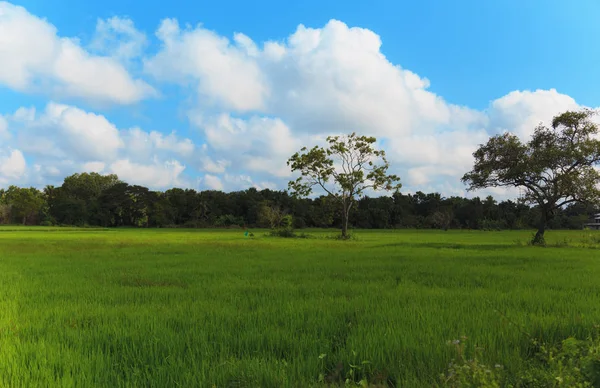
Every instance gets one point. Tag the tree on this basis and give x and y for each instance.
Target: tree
(25, 203)
(555, 168)
(344, 170)
(270, 215)
(441, 219)
(77, 200)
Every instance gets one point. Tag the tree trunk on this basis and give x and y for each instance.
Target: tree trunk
(345, 226)
(538, 239)
(345, 219)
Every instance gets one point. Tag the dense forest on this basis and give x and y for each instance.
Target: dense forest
(91, 199)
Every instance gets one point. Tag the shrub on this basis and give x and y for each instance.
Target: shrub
(229, 220)
(470, 372)
(286, 228)
(572, 363)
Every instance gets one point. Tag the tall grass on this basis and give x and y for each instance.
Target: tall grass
(201, 308)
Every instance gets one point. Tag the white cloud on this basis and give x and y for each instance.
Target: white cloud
(212, 182)
(242, 182)
(88, 135)
(143, 144)
(259, 144)
(94, 166)
(118, 37)
(156, 175)
(521, 111)
(65, 131)
(212, 166)
(335, 79)
(65, 139)
(320, 82)
(36, 59)
(255, 104)
(221, 73)
(12, 166)
(24, 114)
(3, 127)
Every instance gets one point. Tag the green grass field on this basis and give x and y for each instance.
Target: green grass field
(204, 308)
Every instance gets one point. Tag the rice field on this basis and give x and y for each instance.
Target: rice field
(204, 308)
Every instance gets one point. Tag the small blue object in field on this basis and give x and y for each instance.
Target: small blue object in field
(246, 234)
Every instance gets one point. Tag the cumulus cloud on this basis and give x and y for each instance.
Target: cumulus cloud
(97, 167)
(3, 127)
(254, 103)
(36, 59)
(158, 175)
(521, 111)
(118, 37)
(143, 144)
(213, 166)
(64, 139)
(221, 73)
(12, 164)
(212, 182)
(332, 80)
(242, 182)
(318, 82)
(258, 144)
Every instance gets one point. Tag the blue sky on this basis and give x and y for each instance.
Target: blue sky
(224, 113)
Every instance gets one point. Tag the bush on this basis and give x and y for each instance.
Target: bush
(572, 363)
(195, 224)
(470, 372)
(286, 228)
(229, 220)
(492, 225)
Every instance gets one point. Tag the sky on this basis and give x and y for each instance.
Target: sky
(218, 95)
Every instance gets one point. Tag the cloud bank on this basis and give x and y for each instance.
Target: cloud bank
(252, 105)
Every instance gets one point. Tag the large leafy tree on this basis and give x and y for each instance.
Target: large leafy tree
(345, 169)
(25, 203)
(556, 167)
(77, 200)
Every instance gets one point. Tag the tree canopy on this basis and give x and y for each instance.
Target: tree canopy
(348, 167)
(556, 167)
(135, 206)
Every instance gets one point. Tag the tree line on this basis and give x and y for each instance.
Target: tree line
(556, 168)
(92, 199)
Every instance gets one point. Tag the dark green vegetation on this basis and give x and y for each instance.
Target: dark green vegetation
(555, 168)
(195, 308)
(96, 200)
(361, 167)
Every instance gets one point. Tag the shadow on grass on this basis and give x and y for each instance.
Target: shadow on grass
(457, 246)
(141, 282)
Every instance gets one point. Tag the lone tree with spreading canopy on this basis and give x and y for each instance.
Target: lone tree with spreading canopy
(345, 170)
(555, 168)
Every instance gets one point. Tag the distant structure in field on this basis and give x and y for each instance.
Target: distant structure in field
(594, 222)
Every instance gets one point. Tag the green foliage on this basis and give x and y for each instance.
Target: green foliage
(555, 168)
(112, 203)
(571, 363)
(22, 205)
(271, 216)
(284, 227)
(441, 219)
(229, 220)
(348, 167)
(470, 372)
